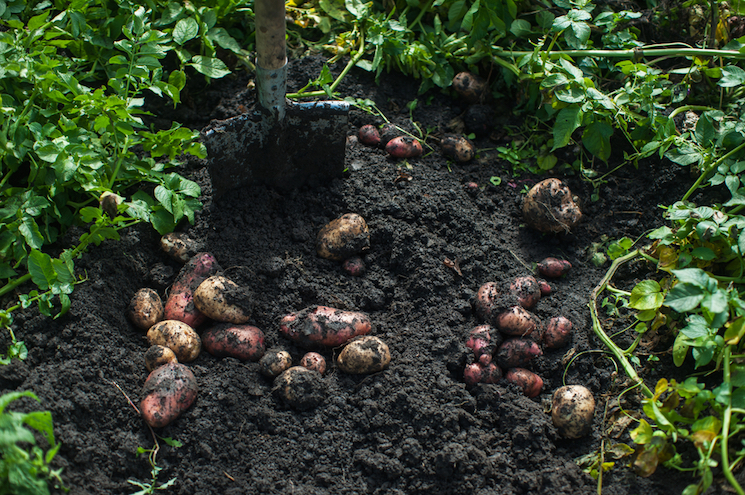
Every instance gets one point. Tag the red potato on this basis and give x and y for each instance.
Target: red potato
(369, 135)
(404, 147)
(354, 266)
(554, 267)
(530, 383)
(168, 392)
(483, 340)
(517, 321)
(177, 336)
(221, 299)
(158, 355)
(244, 342)
(480, 373)
(516, 353)
(486, 300)
(387, 132)
(527, 290)
(545, 287)
(558, 333)
(145, 309)
(324, 326)
(180, 303)
(313, 361)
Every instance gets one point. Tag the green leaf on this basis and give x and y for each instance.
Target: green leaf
(185, 30)
(30, 232)
(735, 332)
(646, 295)
(596, 139)
(684, 297)
(209, 66)
(41, 270)
(696, 328)
(680, 349)
(695, 276)
(567, 121)
(732, 76)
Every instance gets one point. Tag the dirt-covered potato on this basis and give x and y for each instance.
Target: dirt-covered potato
(177, 336)
(221, 299)
(470, 87)
(158, 355)
(180, 303)
(244, 342)
(572, 410)
(354, 266)
(179, 246)
(344, 237)
(364, 355)
(369, 135)
(481, 373)
(517, 321)
(109, 203)
(324, 326)
(145, 309)
(404, 147)
(516, 353)
(300, 388)
(387, 132)
(530, 383)
(553, 267)
(486, 300)
(527, 290)
(459, 148)
(558, 333)
(545, 287)
(550, 207)
(274, 363)
(169, 391)
(483, 340)
(313, 361)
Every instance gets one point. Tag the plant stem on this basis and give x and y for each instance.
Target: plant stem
(726, 418)
(708, 169)
(685, 108)
(618, 353)
(631, 54)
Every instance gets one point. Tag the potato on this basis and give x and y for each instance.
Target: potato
(300, 388)
(527, 290)
(179, 246)
(545, 287)
(554, 267)
(486, 300)
(180, 303)
(354, 266)
(558, 333)
(313, 361)
(221, 299)
(550, 207)
(324, 326)
(480, 373)
(483, 340)
(470, 87)
(344, 237)
(530, 383)
(369, 135)
(109, 203)
(145, 309)
(177, 336)
(158, 355)
(517, 321)
(274, 363)
(404, 147)
(572, 410)
(459, 148)
(388, 132)
(516, 353)
(244, 342)
(169, 391)
(364, 355)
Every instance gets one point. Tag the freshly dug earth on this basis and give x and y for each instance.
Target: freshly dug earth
(413, 428)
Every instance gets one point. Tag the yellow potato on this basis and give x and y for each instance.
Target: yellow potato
(344, 237)
(158, 355)
(177, 336)
(221, 299)
(550, 207)
(572, 410)
(364, 355)
(145, 309)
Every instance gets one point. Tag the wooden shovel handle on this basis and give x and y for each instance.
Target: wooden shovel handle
(270, 34)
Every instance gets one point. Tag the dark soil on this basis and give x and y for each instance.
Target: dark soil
(413, 428)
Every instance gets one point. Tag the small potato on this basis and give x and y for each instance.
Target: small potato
(179, 246)
(404, 147)
(480, 373)
(517, 321)
(274, 363)
(572, 411)
(545, 287)
(221, 299)
(364, 355)
(354, 266)
(530, 383)
(486, 300)
(342, 238)
(300, 388)
(527, 290)
(558, 333)
(554, 267)
(169, 391)
(177, 336)
(145, 309)
(369, 135)
(313, 361)
(550, 207)
(483, 340)
(459, 148)
(324, 326)
(516, 353)
(470, 87)
(180, 303)
(109, 203)
(158, 355)
(244, 342)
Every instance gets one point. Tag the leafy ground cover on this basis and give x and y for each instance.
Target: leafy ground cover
(597, 95)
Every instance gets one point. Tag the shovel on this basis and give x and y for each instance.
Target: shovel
(277, 143)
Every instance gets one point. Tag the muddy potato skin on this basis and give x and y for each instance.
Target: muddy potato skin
(469, 86)
(221, 299)
(404, 147)
(486, 299)
(178, 246)
(558, 333)
(300, 388)
(527, 290)
(516, 353)
(572, 411)
(554, 267)
(324, 326)
(169, 391)
(145, 309)
(459, 148)
(180, 304)
(369, 135)
(480, 373)
(517, 321)
(158, 355)
(343, 237)
(354, 266)
(274, 362)
(313, 361)
(177, 336)
(530, 383)
(550, 208)
(244, 342)
(483, 340)
(364, 355)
